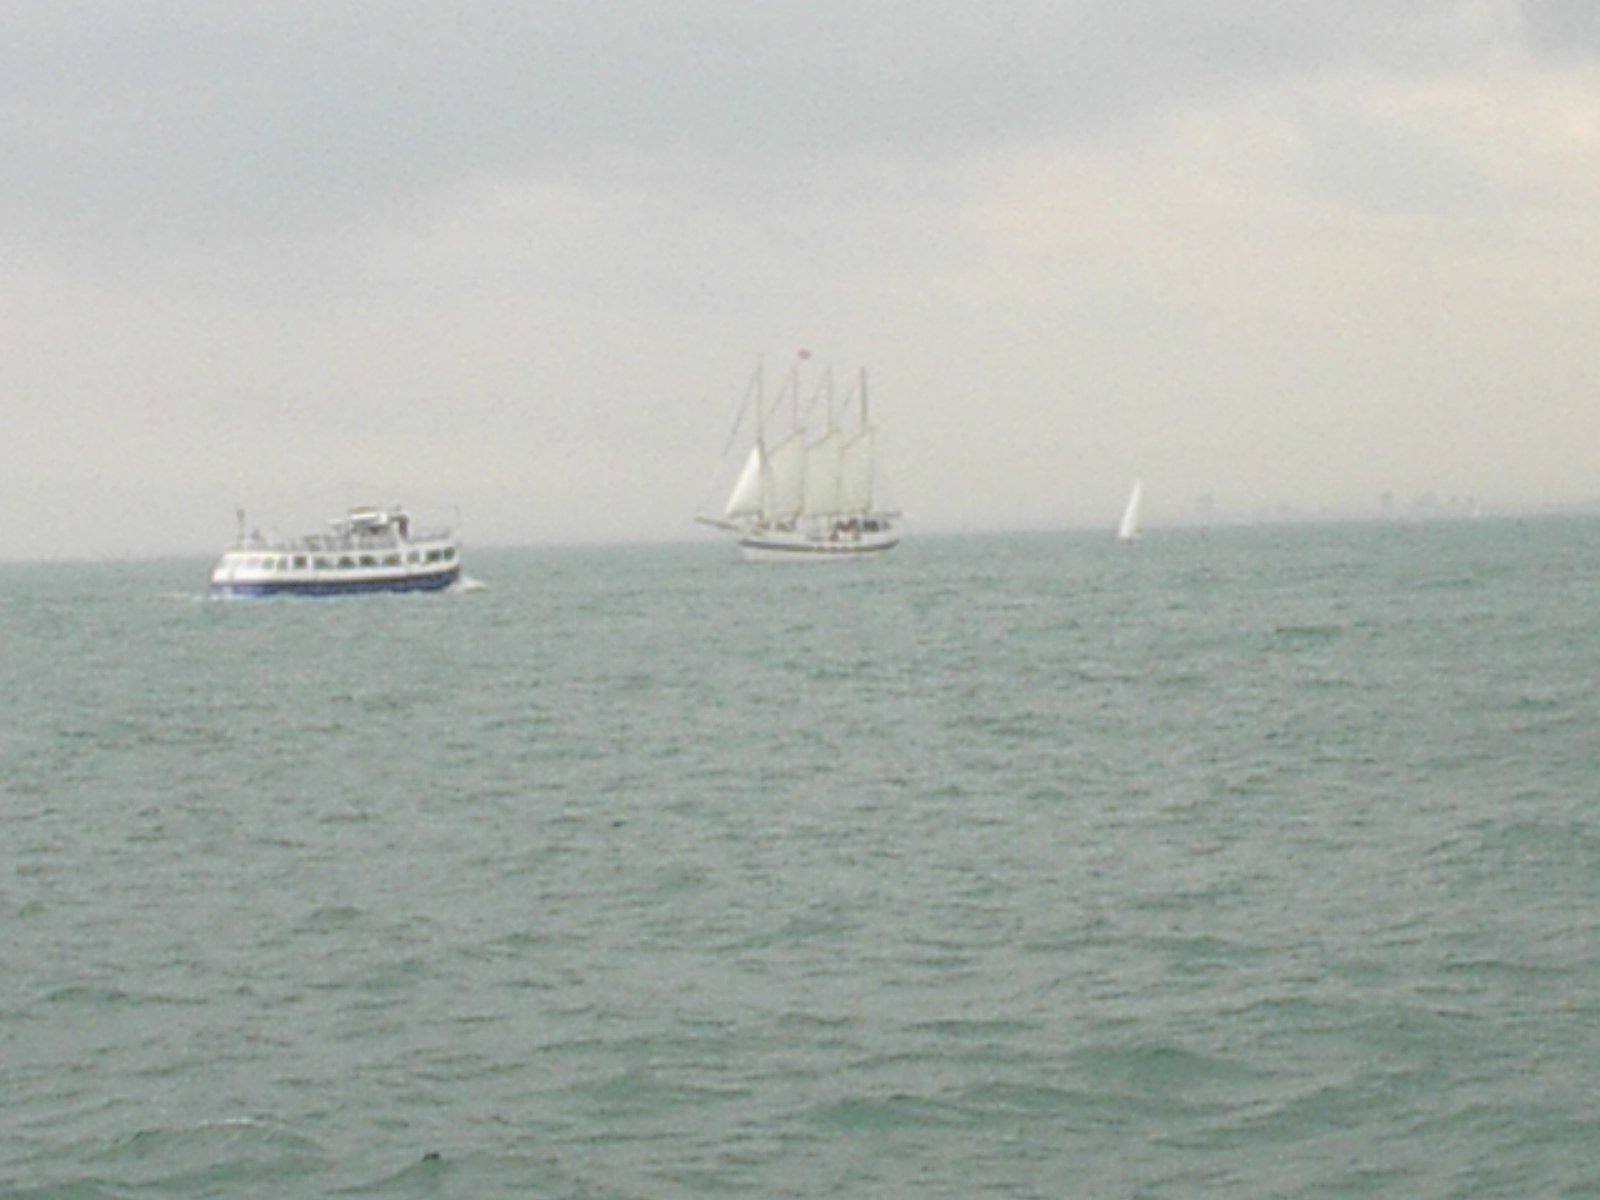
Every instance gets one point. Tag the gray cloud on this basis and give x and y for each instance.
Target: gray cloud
(151, 118)
(1565, 29)
(520, 255)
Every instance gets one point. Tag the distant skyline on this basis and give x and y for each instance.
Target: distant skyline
(514, 262)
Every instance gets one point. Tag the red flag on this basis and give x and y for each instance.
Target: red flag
(805, 354)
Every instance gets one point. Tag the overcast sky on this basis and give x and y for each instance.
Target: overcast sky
(515, 261)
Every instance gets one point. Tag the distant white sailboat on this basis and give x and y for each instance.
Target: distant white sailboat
(1128, 528)
(808, 488)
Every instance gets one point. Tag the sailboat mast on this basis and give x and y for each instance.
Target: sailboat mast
(761, 404)
(764, 478)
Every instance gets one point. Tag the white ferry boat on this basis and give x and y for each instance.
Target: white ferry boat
(369, 550)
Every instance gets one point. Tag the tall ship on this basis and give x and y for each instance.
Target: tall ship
(366, 550)
(808, 487)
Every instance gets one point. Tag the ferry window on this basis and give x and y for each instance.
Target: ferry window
(300, 561)
(449, 554)
(413, 557)
(347, 561)
(368, 561)
(324, 563)
(433, 556)
(391, 560)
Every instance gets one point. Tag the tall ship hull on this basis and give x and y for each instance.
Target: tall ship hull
(368, 550)
(832, 544)
(808, 488)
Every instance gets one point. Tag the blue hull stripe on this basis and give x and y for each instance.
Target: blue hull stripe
(344, 587)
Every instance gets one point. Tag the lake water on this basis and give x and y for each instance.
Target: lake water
(1249, 862)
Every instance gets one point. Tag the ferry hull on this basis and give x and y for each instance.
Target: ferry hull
(254, 589)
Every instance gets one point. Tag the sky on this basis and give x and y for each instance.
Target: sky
(513, 262)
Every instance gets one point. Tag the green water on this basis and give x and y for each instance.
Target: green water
(1245, 863)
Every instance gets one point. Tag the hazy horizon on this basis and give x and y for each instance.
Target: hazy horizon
(517, 261)
(1265, 519)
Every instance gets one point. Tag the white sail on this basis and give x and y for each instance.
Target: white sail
(1128, 528)
(786, 470)
(745, 499)
(823, 460)
(856, 469)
